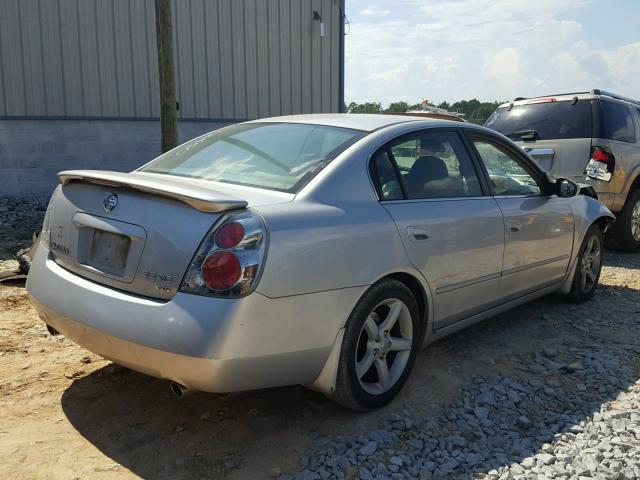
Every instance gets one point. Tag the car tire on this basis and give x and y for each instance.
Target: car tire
(626, 229)
(588, 266)
(378, 351)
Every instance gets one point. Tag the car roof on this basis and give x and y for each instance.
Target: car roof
(356, 121)
(425, 114)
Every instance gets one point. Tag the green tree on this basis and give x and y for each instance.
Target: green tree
(397, 107)
(474, 110)
(484, 111)
(368, 107)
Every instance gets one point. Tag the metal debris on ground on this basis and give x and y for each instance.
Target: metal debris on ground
(23, 257)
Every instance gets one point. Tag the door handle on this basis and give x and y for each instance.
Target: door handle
(514, 227)
(418, 234)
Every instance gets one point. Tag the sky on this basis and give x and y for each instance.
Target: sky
(489, 49)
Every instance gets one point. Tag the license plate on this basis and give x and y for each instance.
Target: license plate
(109, 252)
(598, 171)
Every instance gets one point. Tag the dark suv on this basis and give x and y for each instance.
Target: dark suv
(589, 137)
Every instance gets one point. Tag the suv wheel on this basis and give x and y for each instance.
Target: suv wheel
(381, 339)
(626, 229)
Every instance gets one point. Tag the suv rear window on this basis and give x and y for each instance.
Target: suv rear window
(617, 122)
(544, 121)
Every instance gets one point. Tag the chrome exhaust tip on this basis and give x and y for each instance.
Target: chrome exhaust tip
(180, 391)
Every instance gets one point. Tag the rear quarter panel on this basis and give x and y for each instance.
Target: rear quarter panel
(315, 247)
(632, 174)
(335, 234)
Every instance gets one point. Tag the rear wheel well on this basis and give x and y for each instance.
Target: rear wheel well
(635, 185)
(416, 289)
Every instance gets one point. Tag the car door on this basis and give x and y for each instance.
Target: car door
(538, 226)
(451, 230)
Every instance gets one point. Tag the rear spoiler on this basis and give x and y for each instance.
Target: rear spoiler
(197, 196)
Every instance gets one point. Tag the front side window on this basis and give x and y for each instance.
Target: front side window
(432, 165)
(617, 122)
(507, 176)
(275, 156)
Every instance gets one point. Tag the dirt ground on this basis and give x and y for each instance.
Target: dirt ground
(67, 413)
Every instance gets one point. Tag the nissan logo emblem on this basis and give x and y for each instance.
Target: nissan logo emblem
(110, 202)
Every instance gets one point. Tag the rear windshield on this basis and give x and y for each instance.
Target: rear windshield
(275, 156)
(544, 121)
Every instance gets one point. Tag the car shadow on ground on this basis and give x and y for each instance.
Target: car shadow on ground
(136, 420)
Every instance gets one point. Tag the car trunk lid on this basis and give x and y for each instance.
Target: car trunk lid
(133, 231)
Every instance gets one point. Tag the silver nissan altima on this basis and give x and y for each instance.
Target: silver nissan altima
(323, 250)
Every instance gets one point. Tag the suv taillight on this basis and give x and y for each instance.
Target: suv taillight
(603, 155)
(229, 261)
(601, 165)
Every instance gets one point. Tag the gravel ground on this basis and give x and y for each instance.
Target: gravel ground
(571, 411)
(19, 218)
(551, 425)
(548, 390)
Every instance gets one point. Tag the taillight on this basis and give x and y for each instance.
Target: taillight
(230, 235)
(221, 270)
(603, 155)
(229, 261)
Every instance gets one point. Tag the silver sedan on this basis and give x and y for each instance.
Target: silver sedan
(323, 250)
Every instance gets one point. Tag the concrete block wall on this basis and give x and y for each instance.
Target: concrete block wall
(32, 152)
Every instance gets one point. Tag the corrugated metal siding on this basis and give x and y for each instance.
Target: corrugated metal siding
(235, 59)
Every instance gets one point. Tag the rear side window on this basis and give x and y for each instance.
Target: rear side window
(431, 165)
(544, 121)
(617, 122)
(385, 176)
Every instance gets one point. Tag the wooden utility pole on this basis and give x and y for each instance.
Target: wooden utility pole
(166, 70)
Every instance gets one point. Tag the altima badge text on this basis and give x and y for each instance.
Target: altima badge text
(158, 276)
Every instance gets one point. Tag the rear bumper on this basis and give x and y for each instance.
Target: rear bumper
(207, 374)
(210, 344)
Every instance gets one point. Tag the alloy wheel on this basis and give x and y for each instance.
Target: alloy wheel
(591, 263)
(384, 346)
(635, 221)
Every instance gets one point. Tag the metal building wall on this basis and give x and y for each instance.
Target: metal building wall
(235, 59)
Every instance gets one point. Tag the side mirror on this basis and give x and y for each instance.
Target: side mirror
(566, 188)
